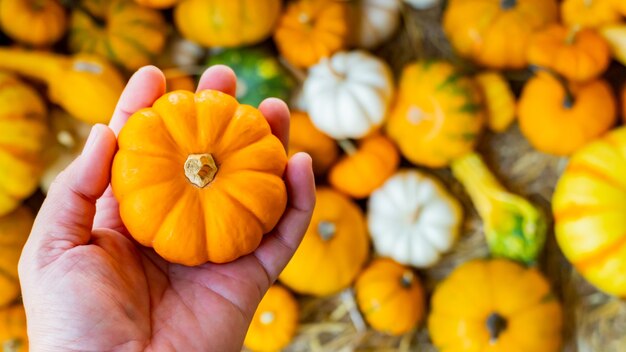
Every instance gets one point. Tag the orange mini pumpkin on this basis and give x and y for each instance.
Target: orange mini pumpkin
(390, 296)
(558, 118)
(13, 336)
(304, 137)
(33, 22)
(312, 29)
(14, 230)
(205, 183)
(364, 169)
(590, 13)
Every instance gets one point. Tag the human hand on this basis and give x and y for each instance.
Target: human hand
(87, 286)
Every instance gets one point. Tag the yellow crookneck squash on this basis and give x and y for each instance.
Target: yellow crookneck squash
(205, 184)
(275, 321)
(499, 100)
(14, 230)
(13, 334)
(226, 23)
(333, 250)
(390, 296)
(496, 306)
(304, 137)
(33, 22)
(438, 114)
(23, 128)
(495, 33)
(125, 33)
(590, 13)
(589, 207)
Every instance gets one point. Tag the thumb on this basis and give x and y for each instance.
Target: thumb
(66, 216)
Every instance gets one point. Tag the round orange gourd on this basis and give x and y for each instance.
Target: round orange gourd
(333, 250)
(390, 296)
(590, 13)
(304, 137)
(499, 100)
(495, 33)
(205, 183)
(559, 122)
(437, 116)
(364, 169)
(13, 335)
(496, 306)
(312, 29)
(578, 55)
(33, 22)
(120, 30)
(14, 230)
(23, 128)
(275, 321)
(589, 206)
(226, 23)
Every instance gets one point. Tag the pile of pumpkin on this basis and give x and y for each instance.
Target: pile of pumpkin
(359, 127)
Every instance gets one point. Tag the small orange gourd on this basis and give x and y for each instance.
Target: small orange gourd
(312, 29)
(499, 100)
(33, 22)
(205, 184)
(363, 170)
(590, 13)
(558, 118)
(390, 296)
(13, 334)
(14, 230)
(333, 250)
(304, 137)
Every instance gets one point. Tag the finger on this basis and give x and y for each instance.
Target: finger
(143, 88)
(277, 114)
(278, 247)
(219, 77)
(66, 216)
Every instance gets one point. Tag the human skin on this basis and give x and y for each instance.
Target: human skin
(88, 286)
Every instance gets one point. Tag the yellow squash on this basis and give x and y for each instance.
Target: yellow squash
(499, 100)
(33, 22)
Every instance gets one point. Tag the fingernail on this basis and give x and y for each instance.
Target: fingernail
(91, 140)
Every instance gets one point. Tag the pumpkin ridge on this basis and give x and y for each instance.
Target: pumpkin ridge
(242, 206)
(592, 172)
(577, 211)
(601, 255)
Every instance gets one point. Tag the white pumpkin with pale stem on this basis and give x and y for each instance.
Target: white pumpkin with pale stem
(413, 219)
(349, 94)
(422, 4)
(374, 21)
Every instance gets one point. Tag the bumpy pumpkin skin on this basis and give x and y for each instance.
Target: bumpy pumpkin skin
(586, 13)
(22, 122)
(334, 249)
(13, 335)
(14, 230)
(275, 321)
(552, 126)
(499, 100)
(530, 318)
(589, 204)
(304, 137)
(33, 22)
(390, 296)
(361, 171)
(493, 35)
(311, 30)
(188, 213)
(438, 115)
(132, 36)
(229, 23)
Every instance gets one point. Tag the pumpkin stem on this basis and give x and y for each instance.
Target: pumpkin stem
(496, 324)
(200, 169)
(267, 318)
(347, 146)
(508, 4)
(326, 230)
(407, 278)
(338, 75)
(571, 35)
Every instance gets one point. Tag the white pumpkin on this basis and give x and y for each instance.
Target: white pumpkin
(374, 21)
(348, 94)
(413, 219)
(422, 4)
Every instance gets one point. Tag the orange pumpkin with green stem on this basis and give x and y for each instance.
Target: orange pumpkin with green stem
(33, 22)
(14, 230)
(304, 137)
(205, 184)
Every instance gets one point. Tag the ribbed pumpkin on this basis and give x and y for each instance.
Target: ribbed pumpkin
(496, 306)
(438, 114)
(578, 55)
(590, 13)
(304, 137)
(259, 74)
(495, 33)
(13, 335)
(373, 21)
(333, 250)
(312, 29)
(589, 206)
(33, 22)
(365, 168)
(390, 296)
(499, 100)
(120, 30)
(226, 23)
(22, 122)
(205, 184)
(14, 230)
(275, 321)
(558, 118)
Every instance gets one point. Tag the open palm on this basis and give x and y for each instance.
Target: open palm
(88, 286)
